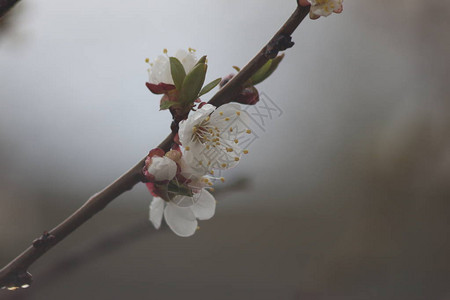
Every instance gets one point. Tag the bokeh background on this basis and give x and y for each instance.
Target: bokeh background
(344, 195)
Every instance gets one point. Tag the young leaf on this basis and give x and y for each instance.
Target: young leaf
(166, 105)
(261, 73)
(193, 83)
(275, 62)
(209, 86)
(202, 60)
(273, 66)
(178, 72)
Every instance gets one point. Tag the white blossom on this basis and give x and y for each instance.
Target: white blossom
(181, 213)
(210, 137)
(159, 71)
(324, 8)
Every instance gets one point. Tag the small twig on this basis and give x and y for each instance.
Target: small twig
(6, 5)
(16, 274)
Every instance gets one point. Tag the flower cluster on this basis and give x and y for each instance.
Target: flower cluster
(322, 8)
(180, 80)
(206, 139)
(179, 180)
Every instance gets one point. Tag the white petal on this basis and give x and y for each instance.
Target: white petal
(188, 172)
(185, 131)
(156, 211)
(163, 168)
(187, 59)
(197, 158)
(205, 205)
(160, 71)
(229, 116)
(183, 201)
(180, 219)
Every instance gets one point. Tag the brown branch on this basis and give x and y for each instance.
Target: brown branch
(6, 5)
(15, 273)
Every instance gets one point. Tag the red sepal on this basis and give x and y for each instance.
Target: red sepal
(160, 88)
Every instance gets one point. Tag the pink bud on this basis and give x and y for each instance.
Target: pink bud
(249, 96)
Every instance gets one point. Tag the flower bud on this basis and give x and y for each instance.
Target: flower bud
(162, 168)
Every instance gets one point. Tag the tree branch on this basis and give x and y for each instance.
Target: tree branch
(15, 273)
(6, 5)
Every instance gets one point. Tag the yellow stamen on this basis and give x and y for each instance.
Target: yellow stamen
(236, 159)
(222, 179)
(147, 60)
(224, 165)
(221, 113)
(187, 148)
(236, 141)
(165, 51)
(231, 129)
(238, 113)
(229, 149)
(248, 131)
(227, 119)
(245, 151)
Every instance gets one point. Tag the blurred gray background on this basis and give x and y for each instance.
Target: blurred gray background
(344, 196)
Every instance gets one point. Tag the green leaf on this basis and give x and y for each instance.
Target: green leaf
(209, 86)
(193, 83)
(260, 74)
(166, 105)
(202, 60)
(178, 72)
(275, 62)
(273, 66)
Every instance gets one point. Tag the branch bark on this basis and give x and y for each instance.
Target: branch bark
(15, 273)
(6, 5)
